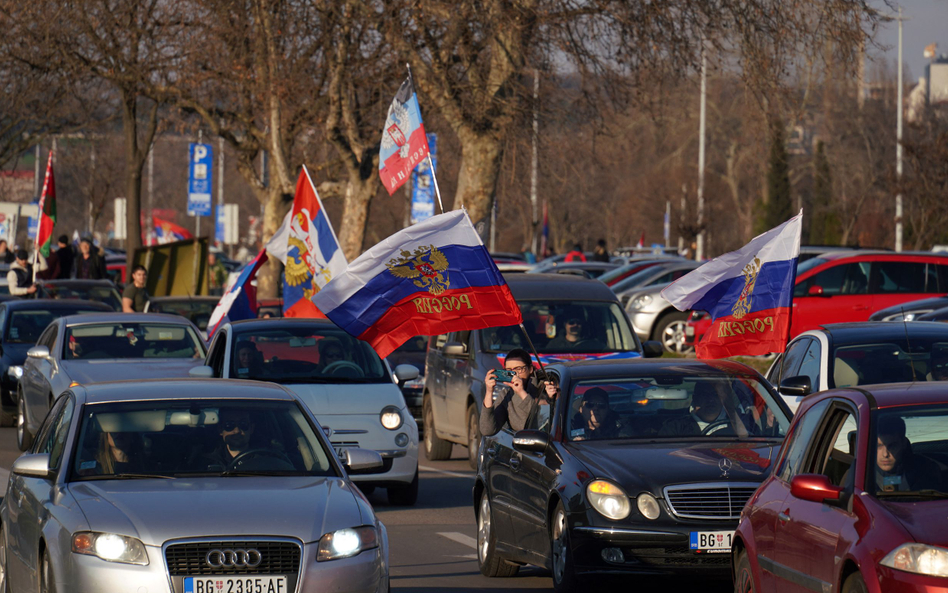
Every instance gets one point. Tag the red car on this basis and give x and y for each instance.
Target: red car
(851, 285)
(858, 498)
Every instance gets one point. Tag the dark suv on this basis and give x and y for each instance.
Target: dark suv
(458, 361)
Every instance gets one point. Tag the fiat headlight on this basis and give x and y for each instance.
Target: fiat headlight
(110, 546)
(647, 505)
(920, 559)
(608, 499)
(391, 417)
(641, 301)
(347, 542)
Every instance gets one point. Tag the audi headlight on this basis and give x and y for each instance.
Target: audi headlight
(608, 499)
(109, 546)
(647, 505)
(641, 301)
(347, 542)
(920, 559)
(391, 417)
(16, 372)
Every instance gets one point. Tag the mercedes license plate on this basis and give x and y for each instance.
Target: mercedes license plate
(236, 584)
(711, 541)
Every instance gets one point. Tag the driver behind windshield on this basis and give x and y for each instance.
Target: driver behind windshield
(712, 404)
(595, 419)
(574, 333)
(235, 429)
(331, 351)
(249, 360)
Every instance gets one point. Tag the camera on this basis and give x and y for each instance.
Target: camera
(503, 376)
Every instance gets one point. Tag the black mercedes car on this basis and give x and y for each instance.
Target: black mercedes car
(638, 467)
(21, 323)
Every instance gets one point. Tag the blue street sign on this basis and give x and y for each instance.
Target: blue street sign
(219, 226)
(199, 180)
(31, 228)
(422, 185)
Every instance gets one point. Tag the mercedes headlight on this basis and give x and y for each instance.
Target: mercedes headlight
(608, 499)
(16, 372)
(641, 301)
(647, 505)
(347, 542)
(110, 546)
(920, 559)
(391, 417)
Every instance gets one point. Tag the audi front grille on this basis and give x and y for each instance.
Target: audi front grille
(276, 558)
(721, 500)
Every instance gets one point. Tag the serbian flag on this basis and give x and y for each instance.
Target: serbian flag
(430, 278)
(240, 299)
(313, 256)
(47, 210)
(404, 143)
(748, 292)
(167, 231)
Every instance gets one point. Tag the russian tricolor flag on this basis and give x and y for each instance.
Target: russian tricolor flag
(404, 143)
(430, 278)
(748, 293)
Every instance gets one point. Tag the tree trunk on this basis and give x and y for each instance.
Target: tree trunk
(477, 180)
(278, 202)
(359, 193)
(134, 162)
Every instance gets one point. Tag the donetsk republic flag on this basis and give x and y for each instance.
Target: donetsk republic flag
(748, 293)
(404, 143)
(428, 279)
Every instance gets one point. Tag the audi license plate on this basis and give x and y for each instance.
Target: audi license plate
(711, 541)
(236, 584)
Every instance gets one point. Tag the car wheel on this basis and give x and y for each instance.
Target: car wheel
(24, 438)
(436, 449)
(564, 573)
(473, 436)
(489, 561)
(404, 496)
(671, 333)
(855, 584)
(47, 584)
(743, 577)
(4, 585)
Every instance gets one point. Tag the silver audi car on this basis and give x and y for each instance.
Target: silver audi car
(188, 486)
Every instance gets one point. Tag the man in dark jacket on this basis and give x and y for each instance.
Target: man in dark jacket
(65, 257)
(89, 264)
(898, 468)
(518, 406)
(595, 419)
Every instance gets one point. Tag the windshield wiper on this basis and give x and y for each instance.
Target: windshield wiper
(129, 477)
(913, 494)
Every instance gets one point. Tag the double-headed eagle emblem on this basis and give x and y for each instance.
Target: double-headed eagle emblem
(743, 305)
(427, 266)
(305, 267)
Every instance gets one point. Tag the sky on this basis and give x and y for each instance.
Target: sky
(927, 22)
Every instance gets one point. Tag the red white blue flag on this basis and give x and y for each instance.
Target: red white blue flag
(748, 293)
(313, 256)
(428, 279)
(167, 231)
(404, 143)
(240, 299)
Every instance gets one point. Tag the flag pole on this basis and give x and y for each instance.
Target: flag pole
(542, 374)
(434, 177)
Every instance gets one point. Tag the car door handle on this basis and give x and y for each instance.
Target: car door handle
(515, 462)
(784, 517)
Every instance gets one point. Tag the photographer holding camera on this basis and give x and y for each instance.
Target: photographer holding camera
(519, 405)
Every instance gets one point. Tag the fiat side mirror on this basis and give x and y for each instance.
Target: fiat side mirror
(406, 372)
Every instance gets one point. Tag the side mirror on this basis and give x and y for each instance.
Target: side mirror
(797, 386)
(406, 372)
(32, 464)
(455, 349)
(535, 441)
(652, 349)
(201, 372)
(361, 459)
(814, 488)
(815, 290)
(38, 352)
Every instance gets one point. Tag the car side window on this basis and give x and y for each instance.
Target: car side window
(42, 443)
(898, 277)
(45, 338)
(58, 434)
(796, 445)
(810, 367)
(837, 449)
(216, 358)
(3, 320)
(842, 279)
(774, 372)
(792, 359)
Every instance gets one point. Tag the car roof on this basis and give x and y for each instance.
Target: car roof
(173, 389)
(557, 287)
(279, 322)
(28, 304)
(86, 318)
(890, 395)
(77, 282)
(879, 255)
(861, 331)
(603, 369)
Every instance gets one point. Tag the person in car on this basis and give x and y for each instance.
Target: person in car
(595, 419)
(518, 407)
(235, 428)
(331, 350)
(248, 359)
(939, 370)
(898, 468)
(575, 335)
(710, 404)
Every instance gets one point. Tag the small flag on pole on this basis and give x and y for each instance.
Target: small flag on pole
(47, 211)
(404, 143)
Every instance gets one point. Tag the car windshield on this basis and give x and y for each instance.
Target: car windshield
(101, 294)
(131, 340)
(809, 264)
(198, 312)
(909, 452)
(307, 354)
(174, 438)
(919, 359)
(25, 326)
(591, 327)
(670, 406)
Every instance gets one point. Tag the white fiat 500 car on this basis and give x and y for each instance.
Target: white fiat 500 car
(351, 391)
